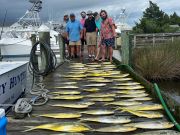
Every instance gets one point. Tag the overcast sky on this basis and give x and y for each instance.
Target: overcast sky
(54, 9)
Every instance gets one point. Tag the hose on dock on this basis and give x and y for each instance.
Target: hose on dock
(177, 125)
(51, 60)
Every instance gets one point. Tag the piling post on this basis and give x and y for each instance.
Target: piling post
(44, 37)
(33, 41)
(61, 47)
(126, 47)
(0, 55)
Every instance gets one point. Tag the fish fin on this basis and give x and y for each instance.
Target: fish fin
(30, 128)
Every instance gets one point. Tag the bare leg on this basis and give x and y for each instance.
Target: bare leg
(78, 50)
(110, 53)
(72, 50)
(89, 49)
(98, 53)
(93, 50)
(103, 52)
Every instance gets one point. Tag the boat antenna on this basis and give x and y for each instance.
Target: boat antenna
(4, 20)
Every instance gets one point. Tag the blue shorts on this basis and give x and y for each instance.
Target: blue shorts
(108, 42)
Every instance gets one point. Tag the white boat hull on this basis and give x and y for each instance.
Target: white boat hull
(12, 82)
(15, 48)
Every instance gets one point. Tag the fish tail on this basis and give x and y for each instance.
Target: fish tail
(30, 128)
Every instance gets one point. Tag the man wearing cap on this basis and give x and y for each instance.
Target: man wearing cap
(90, 34)
(74, 34)
(83, 40)
(63, 32)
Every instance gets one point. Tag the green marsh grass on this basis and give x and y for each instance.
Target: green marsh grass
(158, 62)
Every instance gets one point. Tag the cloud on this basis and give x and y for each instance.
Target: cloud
(55, 9)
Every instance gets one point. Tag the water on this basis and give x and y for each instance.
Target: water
(171, 88)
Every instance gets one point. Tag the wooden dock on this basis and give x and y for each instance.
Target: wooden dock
(16, 126)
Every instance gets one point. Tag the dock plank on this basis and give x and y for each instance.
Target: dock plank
(16, 126)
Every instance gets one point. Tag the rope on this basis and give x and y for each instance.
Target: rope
(51, 60)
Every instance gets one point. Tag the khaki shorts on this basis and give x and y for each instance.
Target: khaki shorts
(71, 43)
(91, 38)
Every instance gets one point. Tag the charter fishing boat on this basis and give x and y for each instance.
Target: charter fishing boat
(15, 41)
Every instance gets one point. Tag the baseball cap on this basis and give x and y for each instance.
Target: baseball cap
(72, 14)
(89, 12)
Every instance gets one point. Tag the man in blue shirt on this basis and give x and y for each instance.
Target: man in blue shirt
(74, 34)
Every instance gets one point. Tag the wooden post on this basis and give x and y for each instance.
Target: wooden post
(44, 37)
(61, 47)
(134, 41)
(33, 41)
(172, 39)
(154, 39)
(0, 55)
(126, 52)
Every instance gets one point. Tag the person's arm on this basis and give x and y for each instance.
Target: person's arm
(81, 30)
(67, 32)
(84, 30)
(112, 26)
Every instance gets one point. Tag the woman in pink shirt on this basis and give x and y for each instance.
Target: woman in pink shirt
(107, 34)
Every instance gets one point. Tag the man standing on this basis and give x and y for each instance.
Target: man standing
(107, 34)
(83, 40)
(90, 34)
(64, 35)
(74, 34)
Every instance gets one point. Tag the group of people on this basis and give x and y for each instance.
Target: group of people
(97, 31)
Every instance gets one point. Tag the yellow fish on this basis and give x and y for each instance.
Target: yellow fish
(152, 125)
(75, 76)
(124, 103)
(98, 74)
(67, 87)
(95, 85)
(67, 97)
(130, 92)
(61, 115)
(129, 87)
(118, 76)
(101, 99)
(133, 95)
(75, 105)
(143, 107)
(77, 79)
(123, 79)
(108, 119)
(101, 81)
(98, 112)
(92, 90)
(116, 128)
(93, 65)
(68, 83)
(146, 114)
(66, 92)
(106, 63)
(128, 84)
(101, 95)
(64, 127)
(140, 99)
(95, 78)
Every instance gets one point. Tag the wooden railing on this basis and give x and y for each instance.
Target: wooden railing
(140, 40)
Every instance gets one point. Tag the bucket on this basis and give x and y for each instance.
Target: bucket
(3, 122)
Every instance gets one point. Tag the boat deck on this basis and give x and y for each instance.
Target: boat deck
(16, 126)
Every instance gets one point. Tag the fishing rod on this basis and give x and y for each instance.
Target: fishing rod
(3, 24)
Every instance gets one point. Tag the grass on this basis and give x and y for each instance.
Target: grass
(158, 62)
